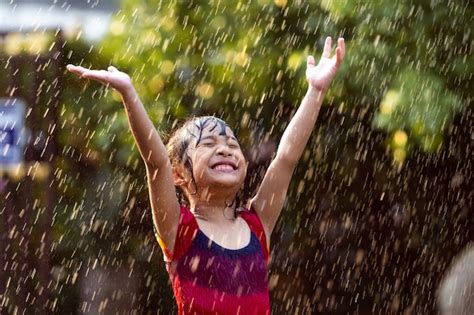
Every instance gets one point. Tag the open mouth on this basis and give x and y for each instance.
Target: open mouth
(225, 166)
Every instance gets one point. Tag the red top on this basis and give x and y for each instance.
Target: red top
(210, 279)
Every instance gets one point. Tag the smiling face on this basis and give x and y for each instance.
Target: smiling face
(217, 158)
(211, 157)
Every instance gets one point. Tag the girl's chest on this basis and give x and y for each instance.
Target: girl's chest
(233, 237)
(210, 265)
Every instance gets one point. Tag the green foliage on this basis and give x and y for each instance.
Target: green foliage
(232, 59)
(412, 51)
(223, 57)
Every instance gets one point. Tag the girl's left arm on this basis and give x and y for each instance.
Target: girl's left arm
(271, 194)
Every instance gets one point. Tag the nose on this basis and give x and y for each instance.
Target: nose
(224, 150)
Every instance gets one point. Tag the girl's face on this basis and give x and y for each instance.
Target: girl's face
(217, 159)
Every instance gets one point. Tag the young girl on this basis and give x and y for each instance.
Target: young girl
(217, 256)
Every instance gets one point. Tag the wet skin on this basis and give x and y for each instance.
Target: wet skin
(216, 157)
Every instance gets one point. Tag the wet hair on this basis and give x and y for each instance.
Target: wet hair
(181, 138)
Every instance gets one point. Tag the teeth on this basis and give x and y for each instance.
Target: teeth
(224, 167)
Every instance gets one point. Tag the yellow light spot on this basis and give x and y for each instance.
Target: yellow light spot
(241, 59)
(168, 23)
(219, 22)
(399, 155)
(400, 138)
(17, 172)
(281, 3)
(156, 83)
(295, 61)
(325, 4)
(167, 67)
(37, 43)
(205, 90)
(117, 28)
(13, 44)
(149, 39)
(40, 171)
(389, 102)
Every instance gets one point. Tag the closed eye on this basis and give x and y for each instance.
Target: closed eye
(232, 143)
(207, 143)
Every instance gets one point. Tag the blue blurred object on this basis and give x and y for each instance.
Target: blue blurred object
(12, 115)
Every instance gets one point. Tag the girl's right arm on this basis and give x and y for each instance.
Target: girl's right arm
(164, 203)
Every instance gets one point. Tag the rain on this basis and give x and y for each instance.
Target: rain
(379, 211)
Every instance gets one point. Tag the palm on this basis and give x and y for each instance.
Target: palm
(113, 77)
(320, 76)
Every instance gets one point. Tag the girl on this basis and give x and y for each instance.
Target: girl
(217, 256)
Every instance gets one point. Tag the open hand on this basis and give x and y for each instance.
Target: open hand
(112, 77)
(320, 76)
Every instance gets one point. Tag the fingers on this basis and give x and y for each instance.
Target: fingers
(340, 51)
(103, 76)
(327, 47)
(79, 70)
(98, 75)
(76, 69)
(310, 61)
(112, 69)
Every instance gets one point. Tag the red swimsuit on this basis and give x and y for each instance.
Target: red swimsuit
(210, 279)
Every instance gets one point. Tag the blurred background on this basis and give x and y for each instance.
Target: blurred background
(381, 201)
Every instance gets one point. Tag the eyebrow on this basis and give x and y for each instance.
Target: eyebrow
(214, 137)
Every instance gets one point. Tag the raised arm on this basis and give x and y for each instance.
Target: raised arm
(164, 203)
(271, 194)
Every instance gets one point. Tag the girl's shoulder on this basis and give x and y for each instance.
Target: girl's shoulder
(186, 216)
(187, 230)
(248, 215)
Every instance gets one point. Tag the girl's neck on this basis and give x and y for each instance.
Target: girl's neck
(214, 205)
(216, 211)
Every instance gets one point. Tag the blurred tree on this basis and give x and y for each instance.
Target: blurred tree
(419, 59)
(246, 58)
